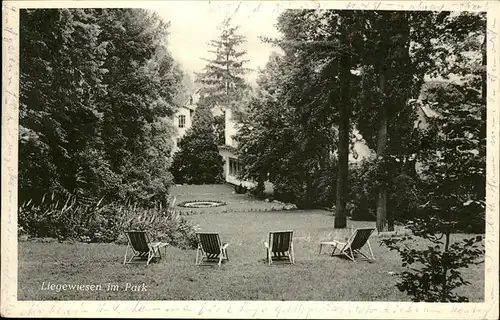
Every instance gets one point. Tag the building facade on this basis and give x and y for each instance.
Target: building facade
(183, 118)
(232, 167)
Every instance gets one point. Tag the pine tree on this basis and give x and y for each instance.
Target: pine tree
(222, 80)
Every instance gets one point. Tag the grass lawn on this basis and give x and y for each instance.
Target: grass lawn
(234, 202)
(245, 277)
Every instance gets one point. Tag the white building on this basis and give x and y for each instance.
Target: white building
(232, 166)
(183, 118)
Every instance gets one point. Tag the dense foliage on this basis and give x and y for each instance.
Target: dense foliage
(67, 219)
(413, 85)
(288, 133)
(97, 90)
(297, 117)
(453, 173)
(404, 190)
(198, 160)
(453, 163)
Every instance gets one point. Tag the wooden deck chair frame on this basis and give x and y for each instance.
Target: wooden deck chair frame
(142, 248)
(354, 244)
(210, 248)
(280, 245)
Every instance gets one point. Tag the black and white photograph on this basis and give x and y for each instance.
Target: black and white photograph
(281, 159)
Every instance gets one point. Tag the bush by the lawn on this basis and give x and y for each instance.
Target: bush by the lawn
(404, 192)
(73, 220)
(312, 189)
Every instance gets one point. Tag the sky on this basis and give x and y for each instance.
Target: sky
(194, 24)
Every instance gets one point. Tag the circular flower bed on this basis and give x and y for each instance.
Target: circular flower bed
(201, 204)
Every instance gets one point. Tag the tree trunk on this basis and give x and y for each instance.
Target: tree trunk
(345, 109)
(261, 186)
(381, 146)
(483, 73)
(445, 286)
(404, 58)
(481, 184)
(390, 216)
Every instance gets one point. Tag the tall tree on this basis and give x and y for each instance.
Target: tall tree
(61, 82)
(142, 82)
(294, 93)
(331, 40)
(259, 134)
(223, 82)
(97, 115)
(392, 73)
(345, 65)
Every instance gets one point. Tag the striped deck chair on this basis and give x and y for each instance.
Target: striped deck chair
(210, 248)
(142, 248)
(280, 246)
(353, 245)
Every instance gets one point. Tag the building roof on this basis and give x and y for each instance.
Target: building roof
(191, 102)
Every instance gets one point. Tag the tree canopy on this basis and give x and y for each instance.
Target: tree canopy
(343, 71)
(222, 80)
(97, 88)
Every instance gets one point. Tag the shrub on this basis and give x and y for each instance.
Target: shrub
(362, 191)
(435, 271)
(258, 190)
(240, 189)
(70, 219)
(56, 217)
(404, 191)
(198, 160)
(160, 225)
(294, 191)
(311, 189)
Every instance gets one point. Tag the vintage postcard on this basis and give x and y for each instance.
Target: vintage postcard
(250, 159)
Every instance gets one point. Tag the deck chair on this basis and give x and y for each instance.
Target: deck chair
(142, 248)
(210, 248)
(353, 245)
(280, 246)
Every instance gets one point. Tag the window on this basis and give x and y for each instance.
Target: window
(235, 167)
(182, 121)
